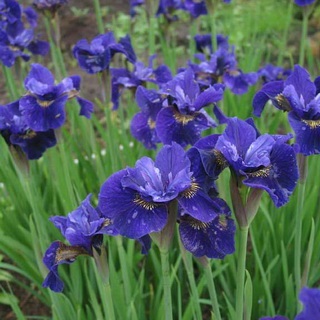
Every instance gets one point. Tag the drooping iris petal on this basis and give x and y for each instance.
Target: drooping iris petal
(303, 3)
(183, 129)
(280, 177)
(269, 91)
(34, 144)
(133, 216)
(43, 115)
(310, 297)
(58, 253)
(307, 134)
(214, 239)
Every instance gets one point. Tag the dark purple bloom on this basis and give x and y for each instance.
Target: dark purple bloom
(143, 124)
(265, 161)
(133, 5)
(136, 198)
(168, 8)
(43, 105)
(183, 119)
(214, 239)
(204, 42)
(96, 56)
(49, 5)
(17, 133)
(311, 301)
(196, 8)
(10, 12)
(14, 39)
(270, 73)
(302, 3)
(83, 228)
(299, 96)
(222, 67)
(123, 78)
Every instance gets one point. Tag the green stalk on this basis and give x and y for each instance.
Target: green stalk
(241, 271)
(297, 239)
(124, 270)
(165, 266)
(109, 301)
(304, 35)
(10, 84)
(212, 290)
(97, 10)
(187, 260)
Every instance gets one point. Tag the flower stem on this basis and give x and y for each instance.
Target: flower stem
(97, 9)
(297, 240)
(165, 266)
(212, 291)
(241, 271)
(304, 35)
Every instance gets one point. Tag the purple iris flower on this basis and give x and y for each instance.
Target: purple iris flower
(270, 73)
(143, 124)
(83, 228)
(310, 298)
(222, 67)
(43, 105)
(17, 133)
(14, 39)
(204, 42)
(168, 7)
(266, 162)
(303, 3)
(49, 5)
(183, 119)
(133, 5)
(299, 96)
(214, 239)
(136, 198)
(10, 12)
(123, 78)
(196, 8)
(96, 56)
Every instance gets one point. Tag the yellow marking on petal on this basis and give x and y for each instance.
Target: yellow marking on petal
(29, 134)
(151, 123)
(197, 224)
(223, 222)
(106, 223)
(220, 159)
(312, 124)
(144, 204)
(262, 173)
(65, 252)
(191, 191)
(283, 102)
(44, 103)
(183, 118)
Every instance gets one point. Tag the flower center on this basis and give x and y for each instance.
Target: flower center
(44, 103)
(313, 124)
(283, 102)
(143, 203)
(151, 123)
(262, 173)
(220, 159)
(197, 224)
(68, 253)
(183, 118)
(29, 135)
(191, 191)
